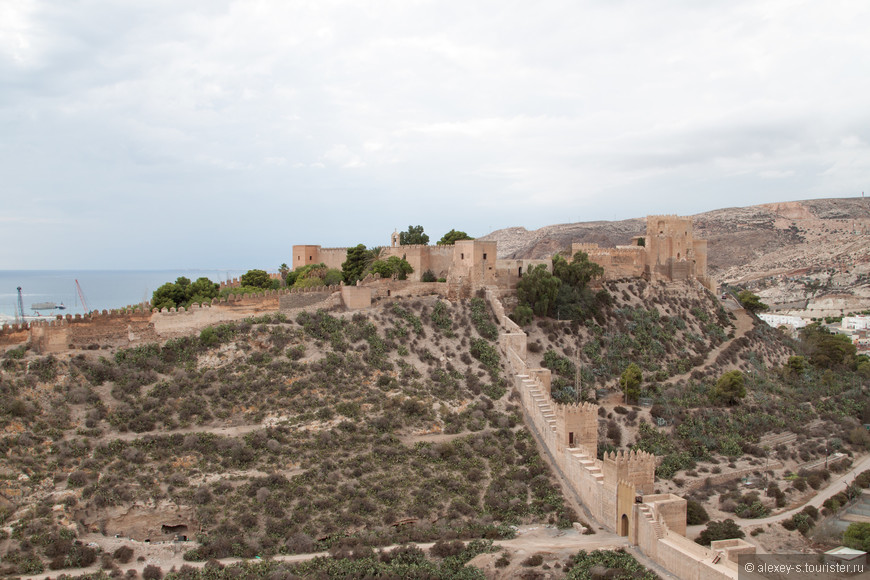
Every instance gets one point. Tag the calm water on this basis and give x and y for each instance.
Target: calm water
(103, 289)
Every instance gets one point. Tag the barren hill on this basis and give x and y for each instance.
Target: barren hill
(812, 254)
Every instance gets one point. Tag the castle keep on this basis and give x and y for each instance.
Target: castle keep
(669, 252)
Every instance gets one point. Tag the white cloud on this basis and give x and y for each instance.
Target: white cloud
(528, 111)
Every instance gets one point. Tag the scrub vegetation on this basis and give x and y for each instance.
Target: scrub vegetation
(281, 435)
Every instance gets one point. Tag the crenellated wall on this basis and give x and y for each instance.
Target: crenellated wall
(438, 259)
(123, 328)
(635, 467)
(617, 490)
(669, 252)
(576, 424)
(619, 262)
(306, 254)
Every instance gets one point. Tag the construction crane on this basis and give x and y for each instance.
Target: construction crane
(82, 297)
(19, 312)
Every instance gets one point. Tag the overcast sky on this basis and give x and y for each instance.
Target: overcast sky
(213, 134)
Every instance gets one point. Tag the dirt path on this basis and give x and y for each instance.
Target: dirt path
(241, 430)
(742, 325)
(834, 487)
(233, 431)
(530, 540)
(411, 438)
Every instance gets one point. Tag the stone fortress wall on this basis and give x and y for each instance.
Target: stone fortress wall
(438, 259)
(669, 251)
(618, 262)
(126, 328)
(618, 489)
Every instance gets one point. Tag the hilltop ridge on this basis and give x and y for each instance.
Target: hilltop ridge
(798, 255)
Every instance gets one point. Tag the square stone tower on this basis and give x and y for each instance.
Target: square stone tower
(672, 252)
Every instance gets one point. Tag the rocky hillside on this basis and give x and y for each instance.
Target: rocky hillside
(276, 436)
(801, 255)
(269, 436)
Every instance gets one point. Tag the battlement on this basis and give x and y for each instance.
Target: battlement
(585, 247)
(577, 425)
(670, 252)
(627, 251)
(608, 488)
(668, 216)
(129, 326)
(637, 467)
(629, 456)
(579, 407)
(419, 246)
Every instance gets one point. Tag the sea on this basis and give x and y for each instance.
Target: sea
(102, 289)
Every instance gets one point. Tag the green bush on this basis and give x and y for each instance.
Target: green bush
(482, 320)
(725, 530)
(619, 561)
(522, 315)
(695, 513)
(559, 364)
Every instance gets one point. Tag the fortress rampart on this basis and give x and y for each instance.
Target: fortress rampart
(124, 328)
(669, 251)
(618, 489)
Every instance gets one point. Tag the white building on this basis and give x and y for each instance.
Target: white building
(777, 320)
(855, 323)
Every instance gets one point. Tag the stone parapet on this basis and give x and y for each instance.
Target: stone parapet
(612, 489)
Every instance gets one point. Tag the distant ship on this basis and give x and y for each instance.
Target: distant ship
(47, 306)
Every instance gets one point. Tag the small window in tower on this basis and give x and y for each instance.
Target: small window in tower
(461, 256)
(311, 257)
(484, 256)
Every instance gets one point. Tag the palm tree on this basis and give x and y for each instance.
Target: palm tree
(374, 254)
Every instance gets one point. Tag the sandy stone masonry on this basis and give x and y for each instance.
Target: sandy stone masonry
(668, 252)
(126, 328)
(618, 489)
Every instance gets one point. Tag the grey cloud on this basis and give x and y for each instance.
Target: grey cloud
(333, 122)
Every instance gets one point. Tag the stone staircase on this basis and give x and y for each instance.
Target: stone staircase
(657, 527)
(588, 464)
(541, 400)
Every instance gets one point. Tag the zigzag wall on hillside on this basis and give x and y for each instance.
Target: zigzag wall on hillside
(617, 490)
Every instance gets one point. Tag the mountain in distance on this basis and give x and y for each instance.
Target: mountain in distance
(800, 256)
